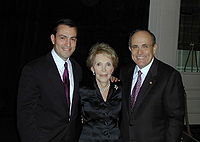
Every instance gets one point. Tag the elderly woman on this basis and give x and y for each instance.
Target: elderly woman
(101, 102)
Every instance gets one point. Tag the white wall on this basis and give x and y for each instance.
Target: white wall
(164, 23)
(191, 82)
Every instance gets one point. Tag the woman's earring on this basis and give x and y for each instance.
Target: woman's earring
(93, 73)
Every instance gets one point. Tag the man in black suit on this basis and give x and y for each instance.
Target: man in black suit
(157, 112)
(43, 113)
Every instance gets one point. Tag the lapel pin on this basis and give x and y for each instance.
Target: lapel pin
(150, 82)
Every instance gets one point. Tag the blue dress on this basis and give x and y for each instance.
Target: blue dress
(100, 118)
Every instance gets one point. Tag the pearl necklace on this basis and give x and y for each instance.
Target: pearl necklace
(104, 88)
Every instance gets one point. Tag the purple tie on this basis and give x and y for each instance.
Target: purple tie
(136, 89)
(66, 83)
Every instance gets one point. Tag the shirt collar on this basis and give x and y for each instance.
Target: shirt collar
(145, 69)
(59, 61)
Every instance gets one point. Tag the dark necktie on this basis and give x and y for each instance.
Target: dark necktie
(136, 89)
(66, 83)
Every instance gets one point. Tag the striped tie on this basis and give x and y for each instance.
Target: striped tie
(136, 89)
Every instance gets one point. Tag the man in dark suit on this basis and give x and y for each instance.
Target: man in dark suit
(156, 112)
(43, 113)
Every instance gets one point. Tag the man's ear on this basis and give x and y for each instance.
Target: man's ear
(52, 38)
(155, 48)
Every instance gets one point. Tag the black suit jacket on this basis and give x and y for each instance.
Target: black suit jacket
(158, 114)
(42, 113)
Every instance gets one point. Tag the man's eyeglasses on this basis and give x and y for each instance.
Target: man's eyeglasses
(143, 46)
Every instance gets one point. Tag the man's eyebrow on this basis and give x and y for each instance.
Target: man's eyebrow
(67, 36)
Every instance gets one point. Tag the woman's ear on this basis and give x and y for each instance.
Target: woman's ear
(129, 48)
(92, 69)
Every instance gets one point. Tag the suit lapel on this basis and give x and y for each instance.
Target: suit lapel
(56, 81)
(147, 85)
(128, 80)
(76, 85)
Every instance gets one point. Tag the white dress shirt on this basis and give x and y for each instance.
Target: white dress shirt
(144, 71)
(60, 66)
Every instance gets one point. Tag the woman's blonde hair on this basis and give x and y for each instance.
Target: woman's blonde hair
(102, 48)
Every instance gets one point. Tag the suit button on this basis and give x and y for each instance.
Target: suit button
(106, 123)
(106, 113)
(106, 133)
(131, 122)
